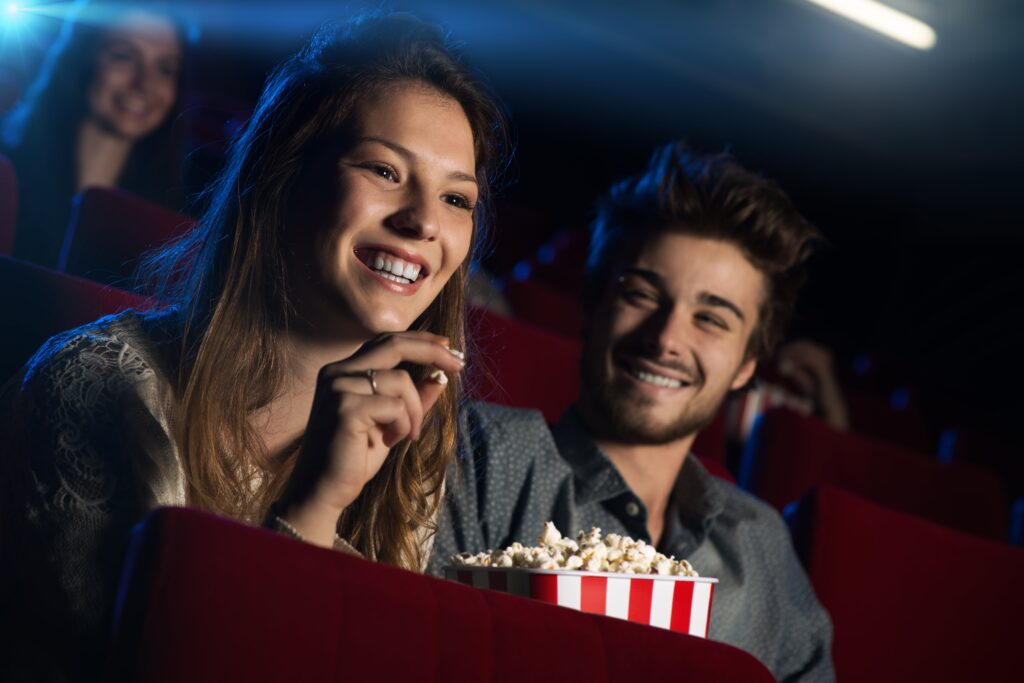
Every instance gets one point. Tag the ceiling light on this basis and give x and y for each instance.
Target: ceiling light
(884, 19)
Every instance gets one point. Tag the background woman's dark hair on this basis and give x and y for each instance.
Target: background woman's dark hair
(229, 279)
(709, 196)
(40, 132)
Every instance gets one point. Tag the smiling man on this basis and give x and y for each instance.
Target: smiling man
(693, 272)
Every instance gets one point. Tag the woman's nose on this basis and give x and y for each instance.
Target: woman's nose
(419, 217)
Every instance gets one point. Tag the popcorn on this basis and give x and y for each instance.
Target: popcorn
(589, 552)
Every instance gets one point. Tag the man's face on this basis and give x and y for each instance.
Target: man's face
(667, 340)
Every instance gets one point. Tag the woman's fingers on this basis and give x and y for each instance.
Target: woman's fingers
(431, 389)
(388, 351)
(394, 383)
(389, 414)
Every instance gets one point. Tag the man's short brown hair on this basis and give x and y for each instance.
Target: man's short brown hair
(714, 197)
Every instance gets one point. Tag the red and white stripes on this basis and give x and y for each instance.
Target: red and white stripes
(678, 603)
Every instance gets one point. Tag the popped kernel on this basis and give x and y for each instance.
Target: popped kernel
(589, 552)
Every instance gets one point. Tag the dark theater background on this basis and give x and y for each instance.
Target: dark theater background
(908, 159)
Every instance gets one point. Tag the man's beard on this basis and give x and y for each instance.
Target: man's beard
(625, 417)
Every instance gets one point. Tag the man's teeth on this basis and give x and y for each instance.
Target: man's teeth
(657, 380)
(393, 268)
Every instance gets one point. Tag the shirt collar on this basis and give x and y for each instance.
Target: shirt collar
(698, 496)
(697, 499)
(595, 477)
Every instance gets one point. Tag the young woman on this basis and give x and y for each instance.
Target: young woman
(305, 373)
(103, 112)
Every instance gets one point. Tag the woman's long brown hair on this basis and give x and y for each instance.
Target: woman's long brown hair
(228, 281)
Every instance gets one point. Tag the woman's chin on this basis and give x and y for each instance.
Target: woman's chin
(385, 321)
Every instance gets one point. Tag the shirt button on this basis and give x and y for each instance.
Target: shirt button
(632, 509)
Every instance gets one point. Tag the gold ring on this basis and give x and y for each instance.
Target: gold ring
(370, 375)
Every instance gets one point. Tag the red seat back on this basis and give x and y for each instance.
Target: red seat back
(910, 600)
(789, 454)
(205, 599)
(895, 418)
(8, 206)
(41, 302)
(545, 307)
(110, 229)
(711, 443)
(519, 365)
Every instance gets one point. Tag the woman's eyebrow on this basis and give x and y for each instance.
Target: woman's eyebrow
(408, 154)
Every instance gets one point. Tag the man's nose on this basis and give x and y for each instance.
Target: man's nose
(667, 333)
(418, 217)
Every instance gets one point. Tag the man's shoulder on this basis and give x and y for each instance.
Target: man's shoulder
(494, 413)
(507, 437)
(496, 422)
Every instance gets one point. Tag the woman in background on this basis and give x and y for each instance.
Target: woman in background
(304, 374)
(103, 112)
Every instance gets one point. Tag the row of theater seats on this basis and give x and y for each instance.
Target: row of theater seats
(108, 232)
(890, 564)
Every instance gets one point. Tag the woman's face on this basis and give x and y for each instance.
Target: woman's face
(136, 76)
(400, 221)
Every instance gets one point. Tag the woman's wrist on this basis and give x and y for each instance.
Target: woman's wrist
(310, 520)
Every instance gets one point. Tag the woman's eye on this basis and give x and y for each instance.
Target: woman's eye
(120, 56)
(458, 201)
(384, 171)
(168, 71)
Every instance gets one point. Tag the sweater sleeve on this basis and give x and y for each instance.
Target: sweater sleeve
(96, 458)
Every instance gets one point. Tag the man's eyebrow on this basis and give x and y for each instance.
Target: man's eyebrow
(408, 154)
(709, 299)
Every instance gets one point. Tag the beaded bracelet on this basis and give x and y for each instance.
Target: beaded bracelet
(280, 525)
(286, 528)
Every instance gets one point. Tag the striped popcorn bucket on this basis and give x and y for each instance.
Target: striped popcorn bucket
(678, 603)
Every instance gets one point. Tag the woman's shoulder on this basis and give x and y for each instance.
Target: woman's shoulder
(117, 347)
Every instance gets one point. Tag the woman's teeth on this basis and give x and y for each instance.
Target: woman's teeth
(390, 267)
(657, 380)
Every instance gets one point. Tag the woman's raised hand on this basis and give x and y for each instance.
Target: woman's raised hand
(363, 406)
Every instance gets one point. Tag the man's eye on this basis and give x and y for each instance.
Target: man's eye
(712, 320)
(458, 201)
(639, 296)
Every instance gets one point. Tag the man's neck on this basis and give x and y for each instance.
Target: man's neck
(651, 472)
(101, 157)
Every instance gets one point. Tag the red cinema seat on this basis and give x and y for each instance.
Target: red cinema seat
(205, 599)
(110, 229)
(8, 206)
(40, 302)
(519, 365)
(711, 444)
(789, 454)
(545, 307)
(894, 418)
(910, 600)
